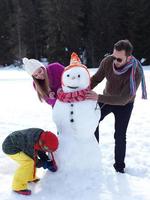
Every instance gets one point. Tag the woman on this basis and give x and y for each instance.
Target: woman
(47, 80)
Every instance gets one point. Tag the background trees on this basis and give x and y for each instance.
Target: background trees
(55, 28)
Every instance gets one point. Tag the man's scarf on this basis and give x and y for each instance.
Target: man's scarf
(69, 97)
(133, 64)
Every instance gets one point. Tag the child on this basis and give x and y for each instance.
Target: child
(28, 148)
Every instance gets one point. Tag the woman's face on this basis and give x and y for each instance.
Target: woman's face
(39, 73)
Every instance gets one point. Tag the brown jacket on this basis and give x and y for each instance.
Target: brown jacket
(117, 89)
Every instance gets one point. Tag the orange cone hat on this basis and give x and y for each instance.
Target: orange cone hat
(75, 61)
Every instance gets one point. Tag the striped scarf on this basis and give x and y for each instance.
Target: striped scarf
(69, 97)
(133, 64)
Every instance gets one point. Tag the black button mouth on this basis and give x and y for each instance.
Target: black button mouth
(71, 87)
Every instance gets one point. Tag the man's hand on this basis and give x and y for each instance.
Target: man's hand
(92, 95)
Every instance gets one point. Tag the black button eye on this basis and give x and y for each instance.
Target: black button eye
(78, 75)
(68, 75)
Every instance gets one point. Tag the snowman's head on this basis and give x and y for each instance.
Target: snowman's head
(75, 76)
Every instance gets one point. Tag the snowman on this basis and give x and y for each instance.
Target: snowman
(76, 119)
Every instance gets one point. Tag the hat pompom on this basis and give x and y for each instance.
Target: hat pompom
(25, 60)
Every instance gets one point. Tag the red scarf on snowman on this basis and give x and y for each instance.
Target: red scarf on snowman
(72, 96)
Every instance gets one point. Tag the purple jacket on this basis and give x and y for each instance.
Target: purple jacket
(54, 72)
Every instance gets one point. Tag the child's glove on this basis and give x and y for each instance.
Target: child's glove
(50, 165)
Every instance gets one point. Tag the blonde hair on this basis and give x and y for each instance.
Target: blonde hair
(42, 86)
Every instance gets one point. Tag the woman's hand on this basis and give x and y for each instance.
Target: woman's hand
(52, 95)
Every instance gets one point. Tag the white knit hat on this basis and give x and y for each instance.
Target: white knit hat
(31, 65)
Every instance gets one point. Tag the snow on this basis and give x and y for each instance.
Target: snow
(20, 108)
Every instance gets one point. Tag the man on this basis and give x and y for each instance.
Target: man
(28, 148)
(123, 74)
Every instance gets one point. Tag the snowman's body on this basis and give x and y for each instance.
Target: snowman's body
(76, 133)
(76, 123)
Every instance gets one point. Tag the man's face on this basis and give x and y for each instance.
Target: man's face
(120, 58)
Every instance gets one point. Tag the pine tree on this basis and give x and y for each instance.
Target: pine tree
(108, 21)
(56, 28)
(139, 28)
(30, 28)
(96, 40)
(64, 29)
(6, 44)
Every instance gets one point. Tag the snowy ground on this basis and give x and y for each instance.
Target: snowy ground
(20, 108)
